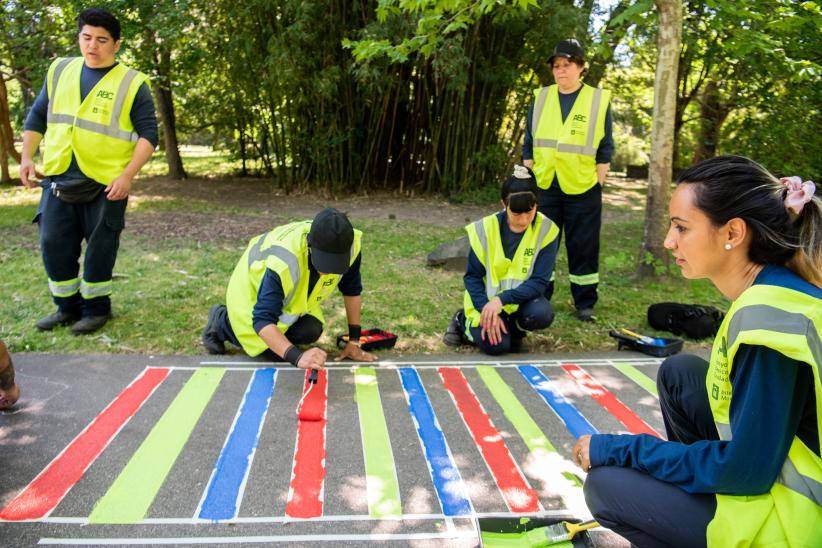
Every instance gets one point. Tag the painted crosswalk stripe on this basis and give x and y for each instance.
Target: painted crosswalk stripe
(43, 494)
(574, 421)
(380, 472)
(638, 377)
(518, 495)
(547, 464)
(611, 403)
(444, 473)
(225, 489)
(132, 493)
(305, 492)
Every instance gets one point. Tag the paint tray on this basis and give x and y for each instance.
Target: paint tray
(653, 346)
(512, 532)
(372, 339)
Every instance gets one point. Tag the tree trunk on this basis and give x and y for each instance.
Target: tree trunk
(165, 108)
(652, 251)
(712, 115)
(6, 136)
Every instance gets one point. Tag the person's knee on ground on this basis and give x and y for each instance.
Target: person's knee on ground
(306, 330)
(683, 400)
(535, 314)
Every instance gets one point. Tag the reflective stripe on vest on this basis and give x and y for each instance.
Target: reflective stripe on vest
(491, 290)
(588, 149)
(113, 128)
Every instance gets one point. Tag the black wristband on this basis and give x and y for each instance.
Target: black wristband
(293, 355)
(354, 332)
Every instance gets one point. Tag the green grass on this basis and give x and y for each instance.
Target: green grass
(164, 288)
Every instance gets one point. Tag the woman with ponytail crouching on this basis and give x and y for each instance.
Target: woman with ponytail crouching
(742, 467)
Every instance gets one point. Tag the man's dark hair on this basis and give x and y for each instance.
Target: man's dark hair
(97, 17)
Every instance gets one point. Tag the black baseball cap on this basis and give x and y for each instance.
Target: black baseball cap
(569, 49)
(330, 240)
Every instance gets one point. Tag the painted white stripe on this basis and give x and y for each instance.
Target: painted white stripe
(153, 541)
(464, 363)
(564, 512)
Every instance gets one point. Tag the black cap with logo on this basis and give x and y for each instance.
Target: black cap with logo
(330, 240)
(568, 48)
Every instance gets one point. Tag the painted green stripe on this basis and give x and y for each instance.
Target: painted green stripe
(514, 411)
(130, 496)
(638, 377)
(381, 476)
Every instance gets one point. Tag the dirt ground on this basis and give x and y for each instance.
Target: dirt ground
(261, 206)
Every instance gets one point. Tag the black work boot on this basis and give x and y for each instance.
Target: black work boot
(212, 340)
(89, 324)
(61, 317)
(586, 315)
(454, 335)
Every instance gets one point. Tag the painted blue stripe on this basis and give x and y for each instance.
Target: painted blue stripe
(444, 473)
(224, 490)
(573, 419)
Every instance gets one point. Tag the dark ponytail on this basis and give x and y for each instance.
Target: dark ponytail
(728, 187)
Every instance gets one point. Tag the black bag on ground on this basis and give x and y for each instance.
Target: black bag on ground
(693, 320)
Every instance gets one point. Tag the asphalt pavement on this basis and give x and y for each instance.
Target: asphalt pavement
(157, 450)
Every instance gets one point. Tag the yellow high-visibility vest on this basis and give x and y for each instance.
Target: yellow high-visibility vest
(502, 273)
(97, 130)
(568, 149)
(283, 250)
(790, 514)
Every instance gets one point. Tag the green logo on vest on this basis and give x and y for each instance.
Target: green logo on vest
(723, 347)
(529, 251)
(715, 392)
(105, 94)
(580, 118)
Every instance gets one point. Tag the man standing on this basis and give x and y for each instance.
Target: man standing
(274, 295)
(100, 128)
(569, 143)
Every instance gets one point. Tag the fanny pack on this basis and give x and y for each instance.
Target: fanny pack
(76, 191)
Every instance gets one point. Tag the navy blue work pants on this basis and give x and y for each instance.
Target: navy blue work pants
(531, 316)
(579, 217)
(63, 227)
(644, 510)
(306, 330)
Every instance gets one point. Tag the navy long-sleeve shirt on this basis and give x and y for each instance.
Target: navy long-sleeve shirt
(143, 116)
(530, 288)
(605, 149)
(773, 401)
(270, 296)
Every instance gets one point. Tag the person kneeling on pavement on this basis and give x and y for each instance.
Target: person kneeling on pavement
(274, 295)
(510, 264)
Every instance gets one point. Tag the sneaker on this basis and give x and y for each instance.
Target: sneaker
(60, 317)
(586, 315)
(211, 337)
(89, 324)
(453, 334)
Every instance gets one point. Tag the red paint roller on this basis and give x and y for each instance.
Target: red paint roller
(312, 404)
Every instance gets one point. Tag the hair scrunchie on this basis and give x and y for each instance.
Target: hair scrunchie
(797, 193)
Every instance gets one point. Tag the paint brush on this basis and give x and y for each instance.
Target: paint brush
(311, 406)
(565, 530)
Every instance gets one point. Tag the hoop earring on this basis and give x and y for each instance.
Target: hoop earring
(728, 247)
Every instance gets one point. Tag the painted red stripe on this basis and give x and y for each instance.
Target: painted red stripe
(519, 496)
(305, 496)
(606, 399)
(43, 494)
